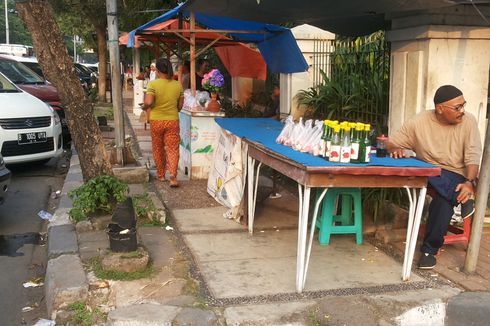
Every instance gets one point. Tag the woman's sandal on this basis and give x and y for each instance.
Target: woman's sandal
(173, 182)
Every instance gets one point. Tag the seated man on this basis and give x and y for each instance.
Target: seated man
(448, 138)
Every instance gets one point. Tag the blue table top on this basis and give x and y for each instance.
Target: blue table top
(265, 131)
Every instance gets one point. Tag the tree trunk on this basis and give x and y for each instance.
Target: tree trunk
(59, 70)
(102, 54)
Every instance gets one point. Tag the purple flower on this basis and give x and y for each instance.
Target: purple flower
(213, 81)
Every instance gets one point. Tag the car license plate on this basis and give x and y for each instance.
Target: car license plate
(31, 137)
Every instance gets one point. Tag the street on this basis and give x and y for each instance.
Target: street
(22, 239)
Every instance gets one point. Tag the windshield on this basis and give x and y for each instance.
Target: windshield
(83, 70)
(6, 86)
(34, 66)
(18, 73)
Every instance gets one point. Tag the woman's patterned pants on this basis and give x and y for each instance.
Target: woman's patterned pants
(165, 139)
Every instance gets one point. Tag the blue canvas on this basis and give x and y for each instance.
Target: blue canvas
(266, 130)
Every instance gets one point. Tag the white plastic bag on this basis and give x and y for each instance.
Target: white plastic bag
(202, 98)
(304, 136)
(297, 130)
(189, 100)
(286, 130)
(313, 138)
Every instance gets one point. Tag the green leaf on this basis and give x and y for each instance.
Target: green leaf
(207, 149)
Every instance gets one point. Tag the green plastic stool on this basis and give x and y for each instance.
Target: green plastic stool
(350, 218)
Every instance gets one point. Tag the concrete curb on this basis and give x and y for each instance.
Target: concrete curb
(469, 308)
(65, 278)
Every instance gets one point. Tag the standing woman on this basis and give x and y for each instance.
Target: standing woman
(165, 98)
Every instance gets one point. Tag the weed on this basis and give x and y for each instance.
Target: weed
(100, 193)
(313, 318)
(146, 211)
(96, 267)
(83, 314)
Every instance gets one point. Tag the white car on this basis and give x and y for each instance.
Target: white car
(30, 130)
(4, 180)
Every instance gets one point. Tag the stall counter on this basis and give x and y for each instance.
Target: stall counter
(198, 132)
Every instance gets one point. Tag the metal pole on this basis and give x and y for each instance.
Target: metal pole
(136, 72)
(113, 44)
(7, 36)
(74, 48)
(481, 205)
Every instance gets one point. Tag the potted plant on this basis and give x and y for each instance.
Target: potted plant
(213, 82)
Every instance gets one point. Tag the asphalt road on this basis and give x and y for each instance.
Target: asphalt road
(22, 239)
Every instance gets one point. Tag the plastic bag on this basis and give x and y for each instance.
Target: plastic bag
(295, 132)
(202, 98)
(313, 137)
(286, 130)
(189, 100)
(302, 138)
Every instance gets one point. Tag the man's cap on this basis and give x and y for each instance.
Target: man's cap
(446, 93)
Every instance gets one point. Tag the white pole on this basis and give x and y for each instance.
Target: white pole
(7, 40)
(471, 259)
(74, 48)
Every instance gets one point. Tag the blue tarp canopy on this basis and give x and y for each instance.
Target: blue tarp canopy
(276, 43)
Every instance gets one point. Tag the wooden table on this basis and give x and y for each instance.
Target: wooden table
(413, 179)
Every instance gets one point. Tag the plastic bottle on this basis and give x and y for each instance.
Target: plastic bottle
(367, 144)
(335, 145)
(346, 145)
(356, 142)
(323, 142)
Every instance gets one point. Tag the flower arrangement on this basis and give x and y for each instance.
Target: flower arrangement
(213, 81)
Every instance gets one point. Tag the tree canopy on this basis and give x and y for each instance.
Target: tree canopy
(18, 34)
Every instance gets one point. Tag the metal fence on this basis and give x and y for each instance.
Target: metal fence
(359, 69)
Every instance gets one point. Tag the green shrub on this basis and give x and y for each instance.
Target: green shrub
(100, 193)
(234, 110)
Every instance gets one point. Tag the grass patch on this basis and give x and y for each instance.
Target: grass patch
(132, 254)
(83, 314)
(146, 211)
(96, 267)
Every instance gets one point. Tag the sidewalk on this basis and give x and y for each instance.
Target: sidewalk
(209, 271)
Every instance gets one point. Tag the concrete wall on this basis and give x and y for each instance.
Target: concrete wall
(291, 84)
